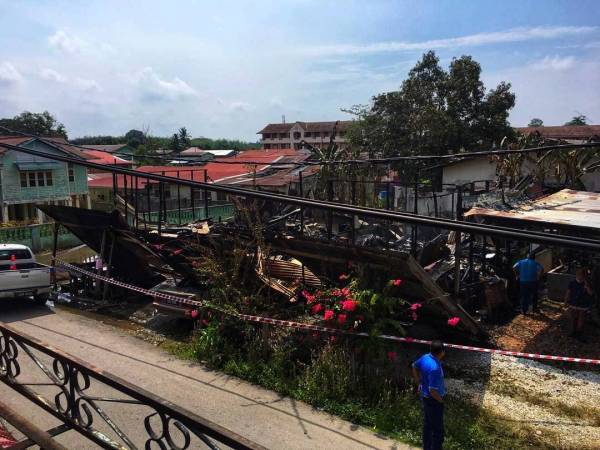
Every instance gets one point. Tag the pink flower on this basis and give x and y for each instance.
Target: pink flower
(337, 293)
(453, 321)
(343, 277)
(414, 316)
(328, 314)
(415, 306)
(397, 282)
(345, 292)
(205, 322)
(332, 338)
(392, 356)
(316, 309)
(308, 296)
(349, 305)
(341, 318)
(194, 314)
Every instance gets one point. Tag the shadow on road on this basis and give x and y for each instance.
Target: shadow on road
(16, 310)
(210, 384)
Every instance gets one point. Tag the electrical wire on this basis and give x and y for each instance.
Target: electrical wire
(569, 241)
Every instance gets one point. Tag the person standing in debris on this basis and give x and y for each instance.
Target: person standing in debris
(528, 272)
(579, 297)
(429, 376)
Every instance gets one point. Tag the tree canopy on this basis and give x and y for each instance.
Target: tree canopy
(578, 120)
(40, 124)
(435, 112)
(535, 122)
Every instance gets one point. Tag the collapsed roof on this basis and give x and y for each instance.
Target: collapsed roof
(566, 209)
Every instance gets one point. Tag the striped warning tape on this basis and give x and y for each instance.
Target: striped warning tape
(173, 299)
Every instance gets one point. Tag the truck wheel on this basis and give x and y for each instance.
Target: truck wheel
(40, 299)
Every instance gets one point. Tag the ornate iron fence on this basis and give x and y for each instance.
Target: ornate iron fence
(96, 403)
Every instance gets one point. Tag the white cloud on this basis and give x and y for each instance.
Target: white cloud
(52, 75)
(66, 42)
(554, 63)
(473, 40)
(87, 85)
(153, 87)
(9, 74)
(241, 106)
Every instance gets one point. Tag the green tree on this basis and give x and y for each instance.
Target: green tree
(435, 111)
(175, 143)
(578, 120)
(185, 140)
(135, 138)
(535, 122)
(40, 124)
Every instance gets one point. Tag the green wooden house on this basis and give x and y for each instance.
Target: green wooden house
(27, 180)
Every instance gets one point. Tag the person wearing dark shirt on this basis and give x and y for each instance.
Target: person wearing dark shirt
(429, 376)
(579, 297)
(528, 273)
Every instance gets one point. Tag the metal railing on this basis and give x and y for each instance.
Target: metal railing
(84, 399)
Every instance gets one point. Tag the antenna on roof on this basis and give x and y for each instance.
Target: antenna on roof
(283, 118)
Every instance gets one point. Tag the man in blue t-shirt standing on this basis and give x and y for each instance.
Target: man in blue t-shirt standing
(429, 376)
(528, 273)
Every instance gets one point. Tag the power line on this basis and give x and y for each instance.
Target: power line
(395, 216)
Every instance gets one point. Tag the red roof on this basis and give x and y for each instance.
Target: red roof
(217, 172)
(576, 132)
(99, 157)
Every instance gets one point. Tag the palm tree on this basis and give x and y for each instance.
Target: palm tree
(571, 165)
(185, 140)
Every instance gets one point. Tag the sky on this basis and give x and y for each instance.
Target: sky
(227, 68)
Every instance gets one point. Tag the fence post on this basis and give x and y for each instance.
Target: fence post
(36, 241)
(192, 199)
(457, 243)
(301, 187)
(178, 201)
(415, 230)
(205, 195)
(329, 213)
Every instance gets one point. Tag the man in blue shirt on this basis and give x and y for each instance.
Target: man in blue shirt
(528, 273)
(429, 376)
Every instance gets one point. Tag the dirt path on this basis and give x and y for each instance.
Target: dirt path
(260, 415)
(562, 407)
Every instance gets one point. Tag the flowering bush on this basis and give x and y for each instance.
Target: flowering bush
(348, 307)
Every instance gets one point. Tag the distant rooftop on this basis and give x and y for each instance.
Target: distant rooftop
(306, 126)
(566, 132)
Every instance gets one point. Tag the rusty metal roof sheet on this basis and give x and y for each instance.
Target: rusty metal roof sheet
(566, 207)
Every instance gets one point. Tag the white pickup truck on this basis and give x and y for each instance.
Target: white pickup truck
(21, 276)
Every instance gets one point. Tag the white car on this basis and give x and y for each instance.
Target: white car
(21, 276)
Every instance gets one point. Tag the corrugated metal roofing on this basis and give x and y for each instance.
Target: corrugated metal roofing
(566, 207)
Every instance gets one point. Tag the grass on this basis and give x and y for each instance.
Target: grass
(327, 381)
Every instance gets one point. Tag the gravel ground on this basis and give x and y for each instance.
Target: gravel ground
(561, 406)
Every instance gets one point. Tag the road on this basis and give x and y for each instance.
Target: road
(260, 415)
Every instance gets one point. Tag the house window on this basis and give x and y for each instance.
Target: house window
(48, 178)
(23, 176)
(31, 176)
(297, 135)
(308, 134)
(40, 179)
(71, 173)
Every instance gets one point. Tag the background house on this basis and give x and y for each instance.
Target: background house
(122, 150)
(290, 135)
(27, 180)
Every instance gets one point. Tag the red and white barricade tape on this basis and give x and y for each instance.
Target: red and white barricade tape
(306, 326)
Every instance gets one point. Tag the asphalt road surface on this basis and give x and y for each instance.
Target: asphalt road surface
(260, 415)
